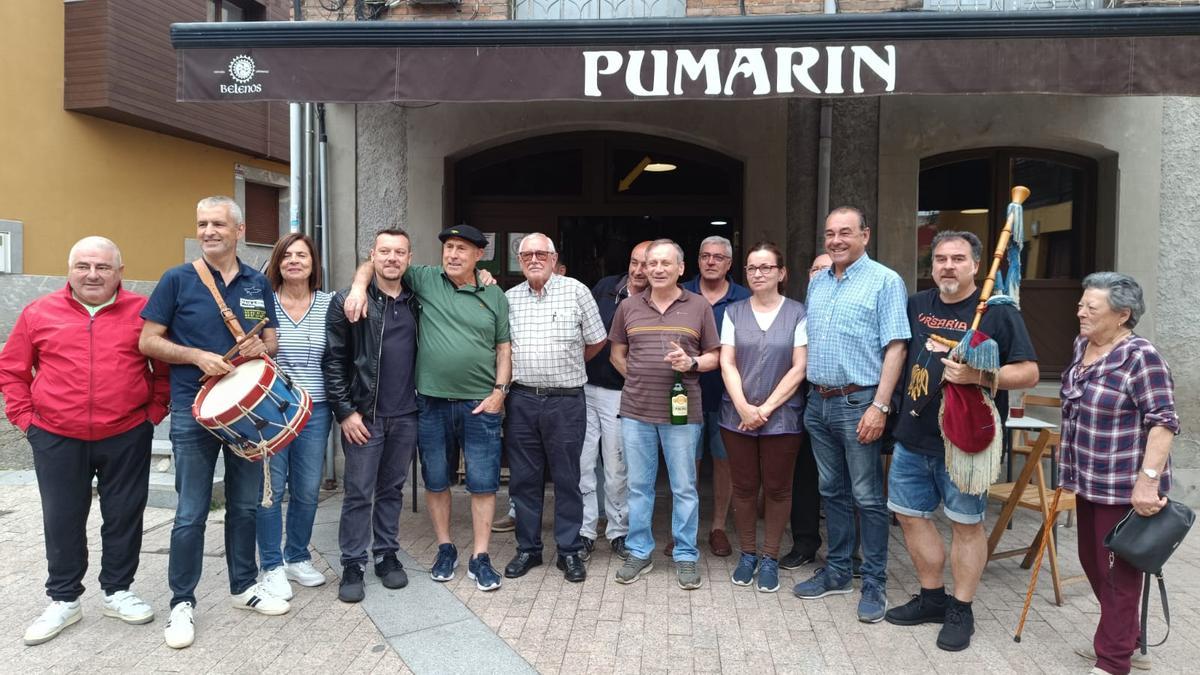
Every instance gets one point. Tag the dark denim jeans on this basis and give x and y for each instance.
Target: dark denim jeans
(196, 453)
(851, 474)
(298, 468)
(374, 480)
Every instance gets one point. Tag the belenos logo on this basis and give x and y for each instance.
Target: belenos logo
(241, 70)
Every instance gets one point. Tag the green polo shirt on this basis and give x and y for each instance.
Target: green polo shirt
(458, 332)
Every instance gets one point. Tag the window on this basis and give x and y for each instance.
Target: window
(262, 213)
(1012, 5)
(971, 191)
(597, 9)
(235, 10)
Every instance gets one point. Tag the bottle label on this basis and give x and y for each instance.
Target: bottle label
(679, 405)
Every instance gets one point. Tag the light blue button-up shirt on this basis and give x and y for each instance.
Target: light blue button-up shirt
(851, 321)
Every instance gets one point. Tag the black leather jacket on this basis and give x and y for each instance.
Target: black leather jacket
(351, 361)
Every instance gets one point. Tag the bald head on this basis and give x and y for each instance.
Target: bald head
(94, 269)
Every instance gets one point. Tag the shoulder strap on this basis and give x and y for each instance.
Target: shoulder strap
(227, 315)
(1144, 639)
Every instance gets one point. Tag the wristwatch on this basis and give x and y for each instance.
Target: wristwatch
(1151, 473)
(695, 364)
(502, 387)
(883, 407)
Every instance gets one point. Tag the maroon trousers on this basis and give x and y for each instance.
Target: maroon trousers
(765, 462)
(1116, 584)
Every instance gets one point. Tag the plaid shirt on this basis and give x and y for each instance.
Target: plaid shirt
(549, 331)
(851, 321)
(1108, 410)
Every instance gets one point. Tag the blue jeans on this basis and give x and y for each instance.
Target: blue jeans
(449, 423)
(195, 452)
(917, 483)
(641, 441)
(298, 468)
(710, 438)
(851, 475)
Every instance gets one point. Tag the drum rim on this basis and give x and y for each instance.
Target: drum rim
(249, 401)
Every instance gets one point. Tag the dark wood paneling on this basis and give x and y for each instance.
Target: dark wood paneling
(119, 65)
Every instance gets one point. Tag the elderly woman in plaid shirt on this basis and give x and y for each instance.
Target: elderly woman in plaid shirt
(1118, 409)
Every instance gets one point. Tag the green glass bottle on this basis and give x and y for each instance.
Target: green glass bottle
(679, 401)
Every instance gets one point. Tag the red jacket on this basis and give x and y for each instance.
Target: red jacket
(81, 376)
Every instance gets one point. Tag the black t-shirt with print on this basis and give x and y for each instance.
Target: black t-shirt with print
(923, 371)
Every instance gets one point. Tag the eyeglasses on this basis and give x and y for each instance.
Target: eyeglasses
(526, 256)
(752, 270)
(714, 257)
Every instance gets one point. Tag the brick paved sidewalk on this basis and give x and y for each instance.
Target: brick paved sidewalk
(598, 626)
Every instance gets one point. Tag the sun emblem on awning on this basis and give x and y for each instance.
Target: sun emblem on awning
(242, 69)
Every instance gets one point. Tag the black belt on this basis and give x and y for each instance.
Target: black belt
(830, 392)
(548, 391)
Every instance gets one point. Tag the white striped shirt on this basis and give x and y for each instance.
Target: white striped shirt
(302, 345)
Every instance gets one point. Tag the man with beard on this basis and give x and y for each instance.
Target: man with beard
(918, 481)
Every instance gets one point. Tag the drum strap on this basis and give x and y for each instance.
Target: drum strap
(227, 315)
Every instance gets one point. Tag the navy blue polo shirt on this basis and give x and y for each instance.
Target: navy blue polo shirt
(712, 387)
(183, 304)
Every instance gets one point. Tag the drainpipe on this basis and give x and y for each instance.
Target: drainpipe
(824, 153)
(294, 152)
(323, 242)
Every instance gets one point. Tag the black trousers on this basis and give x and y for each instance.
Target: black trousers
(65, 468)
(543, 431)
(806, 501)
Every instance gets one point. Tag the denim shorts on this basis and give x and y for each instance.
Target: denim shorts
(710, 437)
(444, 424)
(918, 483)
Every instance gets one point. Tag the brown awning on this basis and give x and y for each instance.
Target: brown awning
(289, 62)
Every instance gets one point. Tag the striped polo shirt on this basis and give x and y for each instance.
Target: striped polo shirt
(648, 333)
(302, 345)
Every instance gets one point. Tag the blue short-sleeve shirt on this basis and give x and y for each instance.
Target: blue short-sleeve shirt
(183, 304)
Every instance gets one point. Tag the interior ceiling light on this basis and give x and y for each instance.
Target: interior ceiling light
(718, 222)
(973, 212)
(660, 167)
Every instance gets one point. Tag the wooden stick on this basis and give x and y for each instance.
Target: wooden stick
(1019, 194)
(238, 345)
(1048, 533)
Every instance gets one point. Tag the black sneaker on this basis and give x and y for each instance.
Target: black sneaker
(796, 559)
(921, 609)
(391, 571)
(618, 547)
(589, 545)
(352, 588)
(956, 632)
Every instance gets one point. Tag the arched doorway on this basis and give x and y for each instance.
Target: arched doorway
(596, 196)
(970, 191)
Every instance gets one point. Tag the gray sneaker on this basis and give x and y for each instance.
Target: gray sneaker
(687, 575)
(634, 569)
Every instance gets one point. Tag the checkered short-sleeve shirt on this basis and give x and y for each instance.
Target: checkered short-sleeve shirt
(549, 332)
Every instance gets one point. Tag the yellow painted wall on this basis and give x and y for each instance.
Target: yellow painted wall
(66, 175)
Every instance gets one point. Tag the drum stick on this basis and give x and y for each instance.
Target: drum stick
(229, 354)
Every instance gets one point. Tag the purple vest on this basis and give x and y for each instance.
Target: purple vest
(763, 358)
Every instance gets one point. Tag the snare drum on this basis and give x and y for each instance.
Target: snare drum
(255, 410)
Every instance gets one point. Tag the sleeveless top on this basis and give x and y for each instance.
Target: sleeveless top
(763, 358)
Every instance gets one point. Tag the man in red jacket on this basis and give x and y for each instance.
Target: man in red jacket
(74, 381)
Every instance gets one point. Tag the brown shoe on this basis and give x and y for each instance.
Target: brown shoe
(719, 543)
(504, 524)
(670, 549)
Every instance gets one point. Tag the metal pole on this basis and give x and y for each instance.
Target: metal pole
(323, 244)
(295, 159)
(308, 177)
(824, 155)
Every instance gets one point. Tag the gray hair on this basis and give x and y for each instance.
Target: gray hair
(532, 235)
(862, 220)
(94, 241)
(949, 235)
(1124, 293)
(213, 202)
(718, 239)
(667, 242)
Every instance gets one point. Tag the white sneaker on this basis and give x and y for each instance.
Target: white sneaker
(181, 630)
(53, 620)
(275, 582)
(304, 573)
(258, 599)
(127, 607)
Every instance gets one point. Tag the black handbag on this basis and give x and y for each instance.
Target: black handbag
(1146, 542)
